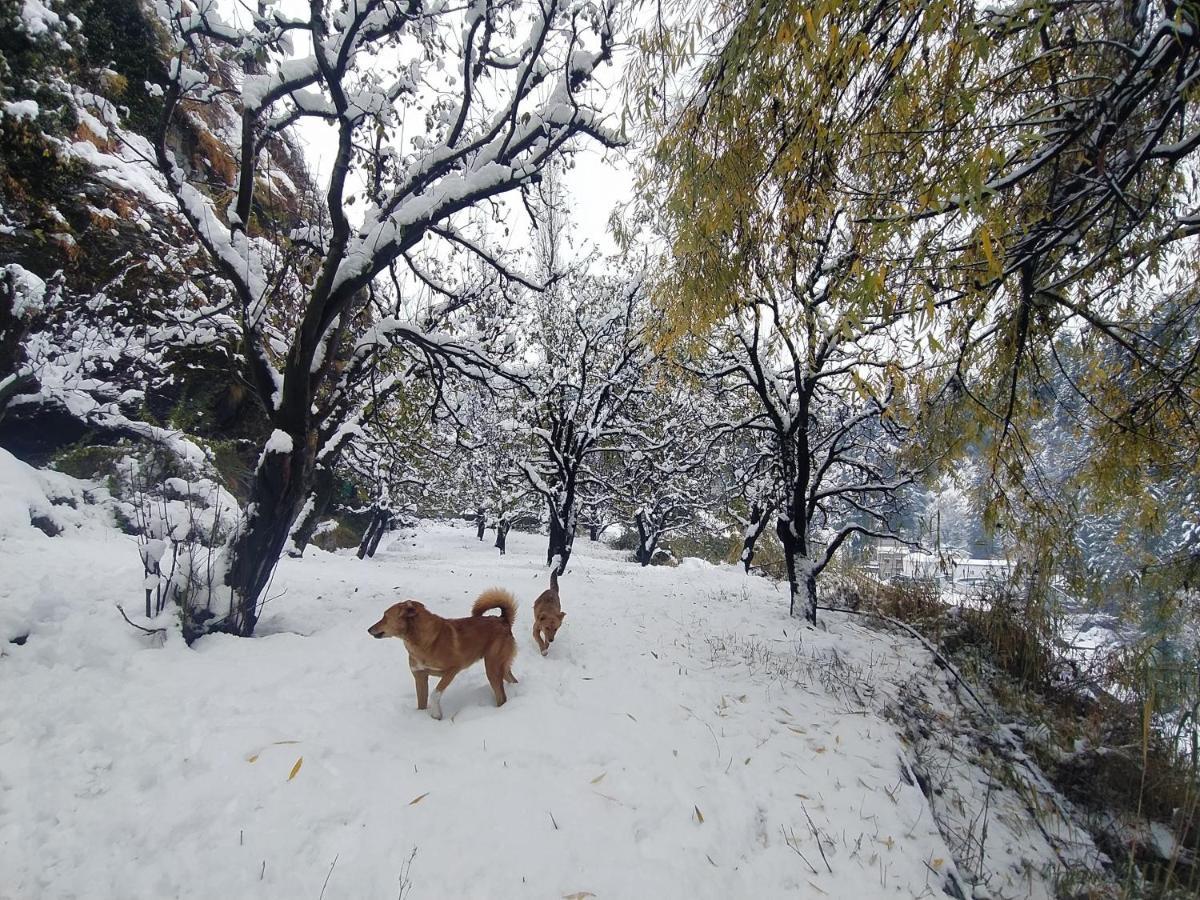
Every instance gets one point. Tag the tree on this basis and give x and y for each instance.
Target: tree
(667, 480)
(1024, 170)
(494, 485)
(437, 111)
(835, 439)
(592, 356)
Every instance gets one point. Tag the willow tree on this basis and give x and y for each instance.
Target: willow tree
(1022, 172)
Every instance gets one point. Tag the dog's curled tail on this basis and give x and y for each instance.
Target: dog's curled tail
(496, 598)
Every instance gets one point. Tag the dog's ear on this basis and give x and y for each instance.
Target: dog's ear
(409, 611)
(561, 616)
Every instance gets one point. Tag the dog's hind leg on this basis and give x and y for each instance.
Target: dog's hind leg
(496, 668)
(509, 676)
(435, 702)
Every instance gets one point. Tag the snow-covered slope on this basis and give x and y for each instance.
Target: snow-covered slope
(683, 738)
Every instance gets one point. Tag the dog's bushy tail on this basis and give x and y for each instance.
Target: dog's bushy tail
(496, 598)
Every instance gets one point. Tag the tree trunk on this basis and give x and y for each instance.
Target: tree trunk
(280, 487)
(647, 539)
(783, 528)
(593, 532)
(480, 523)
(321, 497)
(810, 589)
(758, 524)
(799, 577)
(384, 518)
(502, 526)
(562, 536)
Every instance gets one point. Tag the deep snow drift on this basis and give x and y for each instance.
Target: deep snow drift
(684, 737)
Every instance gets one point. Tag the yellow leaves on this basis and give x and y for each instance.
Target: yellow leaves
(599, 778)
(989, 252)
(296, 768)
(415, 800)
(809, 25)
(578, 895)
(699, 815)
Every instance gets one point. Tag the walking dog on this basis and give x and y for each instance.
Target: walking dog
(444, 647)
(547, 615)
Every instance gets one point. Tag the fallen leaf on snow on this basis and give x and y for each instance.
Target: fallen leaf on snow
(416, 800)
(578, 895)
(296, 768)
(599, 778)
(699, 815)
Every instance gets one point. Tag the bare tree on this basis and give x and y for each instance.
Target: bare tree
(593, 367)
(437, 109)
(825, 385)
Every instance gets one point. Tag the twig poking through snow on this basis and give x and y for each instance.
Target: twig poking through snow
(327, 874)
(790, 840)
(817, 835)
(140, 627)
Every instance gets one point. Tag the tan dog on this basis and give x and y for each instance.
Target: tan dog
(444, 647)
(547, 615)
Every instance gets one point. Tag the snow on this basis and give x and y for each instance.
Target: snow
(22, 109)
(678, 740)
(38, 19)
(278, 442)
(29, 291)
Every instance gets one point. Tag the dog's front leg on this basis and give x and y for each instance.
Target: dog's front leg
(422, 681)
(537, 636)
(435, 708)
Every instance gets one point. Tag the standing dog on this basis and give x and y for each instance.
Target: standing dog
(547, 615)
(444, 647)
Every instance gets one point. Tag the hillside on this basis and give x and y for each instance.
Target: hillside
(683, 738)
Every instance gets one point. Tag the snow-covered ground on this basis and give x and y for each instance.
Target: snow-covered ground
(684, 737)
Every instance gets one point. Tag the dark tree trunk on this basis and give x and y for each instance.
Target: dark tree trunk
(783, 528)
(376, 531)
(480, 524)
(647, 540)
(562, 536)
(810, 590)
(798, 581)
(502, 526)
(758, 524)
(593, 532)
(322, 498)
(280, 487)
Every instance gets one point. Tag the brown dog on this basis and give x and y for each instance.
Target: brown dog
(547, 615)
(444, 647)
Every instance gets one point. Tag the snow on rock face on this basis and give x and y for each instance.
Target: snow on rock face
(22, 109)
(38, 19)
(676, 742)
(29, 291)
